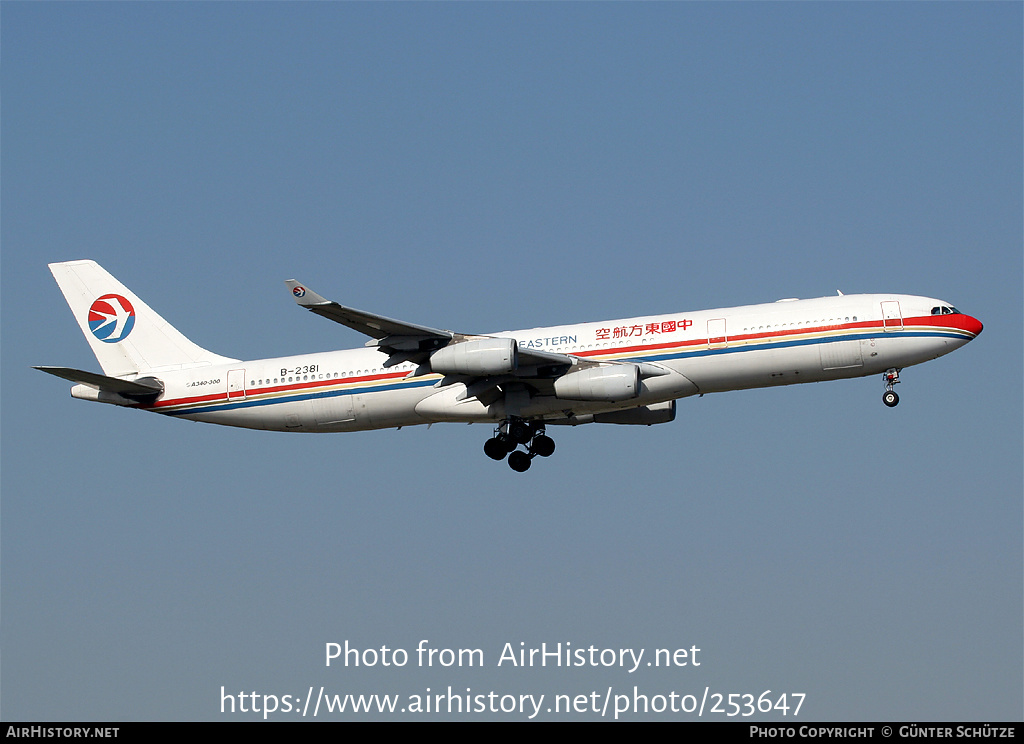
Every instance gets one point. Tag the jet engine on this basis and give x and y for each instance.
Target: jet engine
(610, 383)
(481, 357)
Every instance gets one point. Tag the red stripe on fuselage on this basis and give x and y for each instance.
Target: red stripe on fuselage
(957, 322)
(950, 322)
(733, 337)
(304, 385)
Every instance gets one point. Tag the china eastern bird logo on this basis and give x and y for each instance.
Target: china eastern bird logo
(111, 318)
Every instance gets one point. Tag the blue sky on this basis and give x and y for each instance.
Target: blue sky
(493, 166)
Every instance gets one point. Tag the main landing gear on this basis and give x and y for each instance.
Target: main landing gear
(513, 432)
(891, 376)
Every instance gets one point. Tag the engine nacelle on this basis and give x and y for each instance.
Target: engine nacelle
(612, 383)
(485, 356)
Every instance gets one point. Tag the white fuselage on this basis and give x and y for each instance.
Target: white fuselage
(780, 343)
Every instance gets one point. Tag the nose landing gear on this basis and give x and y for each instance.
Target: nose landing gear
(513, 432)
(891, 377)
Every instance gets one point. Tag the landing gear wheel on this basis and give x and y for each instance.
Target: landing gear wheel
(890, 398)
(519, 461)
(495, 448)
(542, 445)
(519, 432)
(513, 432)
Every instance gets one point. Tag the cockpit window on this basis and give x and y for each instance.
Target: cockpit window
(945, 310)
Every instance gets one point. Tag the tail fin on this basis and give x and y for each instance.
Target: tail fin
(126, 336)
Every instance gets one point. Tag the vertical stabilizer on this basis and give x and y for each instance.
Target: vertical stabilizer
(126, 336)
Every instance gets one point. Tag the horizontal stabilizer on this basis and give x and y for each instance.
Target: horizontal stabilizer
(147, 387)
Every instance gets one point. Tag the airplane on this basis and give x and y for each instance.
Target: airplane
(629, 371)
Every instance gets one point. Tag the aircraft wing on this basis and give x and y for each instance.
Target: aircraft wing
(376, 326)
(411, 342)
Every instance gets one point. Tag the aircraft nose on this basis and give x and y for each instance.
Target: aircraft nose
(973, 325)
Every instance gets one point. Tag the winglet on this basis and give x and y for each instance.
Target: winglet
(304, 295)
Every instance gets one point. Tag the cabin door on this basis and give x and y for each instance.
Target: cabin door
(892, 319)
(717, 336)
(236, 384)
